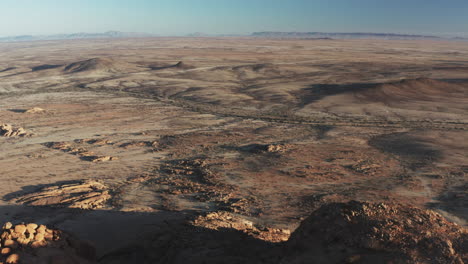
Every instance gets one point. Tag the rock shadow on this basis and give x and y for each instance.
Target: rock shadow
(317, 92)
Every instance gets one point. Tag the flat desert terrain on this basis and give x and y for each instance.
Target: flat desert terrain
(232, 150)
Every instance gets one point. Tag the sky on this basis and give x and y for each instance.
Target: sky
(180, 17)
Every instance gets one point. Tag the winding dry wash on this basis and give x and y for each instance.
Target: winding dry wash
(234, 150)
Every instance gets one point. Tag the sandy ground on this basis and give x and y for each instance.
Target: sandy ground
(266, 129)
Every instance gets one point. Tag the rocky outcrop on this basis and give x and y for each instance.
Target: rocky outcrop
(265, 148)
(223, 220)
(35, 110)
(88, 194)
(83, 153)
(359, 232)
(37, 244)
(7, 130)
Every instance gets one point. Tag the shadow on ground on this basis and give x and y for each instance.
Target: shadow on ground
(412, 150)
(144, 237)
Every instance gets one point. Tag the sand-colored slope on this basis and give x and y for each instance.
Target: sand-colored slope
(240, 73)
(101, 65)
(414, 98)
(422, 89)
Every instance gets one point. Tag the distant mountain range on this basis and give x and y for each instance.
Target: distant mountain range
(108, 34)
(326, 35)
(267, 34)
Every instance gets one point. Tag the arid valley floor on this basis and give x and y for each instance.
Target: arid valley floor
(215, 150)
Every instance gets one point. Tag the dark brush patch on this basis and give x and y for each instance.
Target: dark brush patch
(45, 67)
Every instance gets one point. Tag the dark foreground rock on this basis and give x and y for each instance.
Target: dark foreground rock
(358, 232)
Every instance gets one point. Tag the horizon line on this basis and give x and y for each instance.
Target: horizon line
(450, 35)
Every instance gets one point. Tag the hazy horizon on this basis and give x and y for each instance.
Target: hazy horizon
(241, 17)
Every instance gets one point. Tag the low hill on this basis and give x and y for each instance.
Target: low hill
(410, 97)
(100, 65)
(408, 90)
(357, 35)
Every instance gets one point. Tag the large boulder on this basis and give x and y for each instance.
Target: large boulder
(360, 232)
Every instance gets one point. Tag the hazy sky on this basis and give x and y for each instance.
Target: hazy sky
(177, 17)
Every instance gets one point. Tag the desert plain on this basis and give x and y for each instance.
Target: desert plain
(215, 150)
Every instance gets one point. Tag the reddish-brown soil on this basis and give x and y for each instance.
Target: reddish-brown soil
(215, 150)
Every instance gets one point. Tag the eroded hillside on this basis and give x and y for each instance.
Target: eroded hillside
(227, 146)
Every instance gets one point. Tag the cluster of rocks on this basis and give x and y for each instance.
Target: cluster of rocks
(35, 110)
(133, 144)
(94, 158)
(193, 178)
(221, 220)
(37, 244)
(226, 197)
(265, 148)
(89, 194)
(83, 153)
(97, 142)
(365, 166)
(7, 130)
